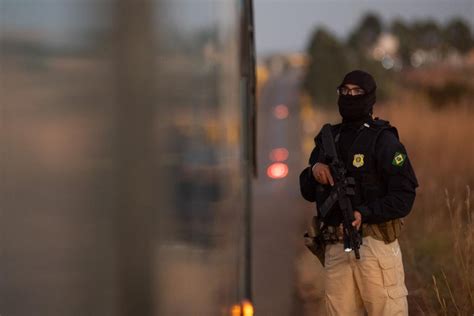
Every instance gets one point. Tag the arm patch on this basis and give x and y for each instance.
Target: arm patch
(399, 159)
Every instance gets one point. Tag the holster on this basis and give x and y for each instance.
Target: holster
(313, 240)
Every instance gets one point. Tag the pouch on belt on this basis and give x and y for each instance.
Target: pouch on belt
(313, 240)
(387, 231)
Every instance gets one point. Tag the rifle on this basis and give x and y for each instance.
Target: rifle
(340, 192)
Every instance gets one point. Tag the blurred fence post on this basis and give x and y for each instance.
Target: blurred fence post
(248, 76)
(134, 52)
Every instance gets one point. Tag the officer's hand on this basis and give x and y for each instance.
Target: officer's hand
(358, 219)
(322, 174)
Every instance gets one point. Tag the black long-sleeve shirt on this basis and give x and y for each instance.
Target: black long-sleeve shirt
(399, 179)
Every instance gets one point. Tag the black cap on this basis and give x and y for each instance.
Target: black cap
(362, 79)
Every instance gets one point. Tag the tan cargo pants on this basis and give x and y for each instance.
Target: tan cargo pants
(375, 283)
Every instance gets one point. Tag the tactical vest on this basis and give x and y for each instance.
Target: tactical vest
(361, 165)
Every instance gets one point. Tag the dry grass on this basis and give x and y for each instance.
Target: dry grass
(455, 294)
(438, 240)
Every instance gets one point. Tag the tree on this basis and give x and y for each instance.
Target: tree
(366, 34)
(406, 39)
(328, 64)
(457, 34)
(428, 35)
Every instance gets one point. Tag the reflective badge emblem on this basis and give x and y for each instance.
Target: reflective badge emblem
(398, 159)
(358, 160)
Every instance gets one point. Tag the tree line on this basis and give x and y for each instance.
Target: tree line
(332, 57)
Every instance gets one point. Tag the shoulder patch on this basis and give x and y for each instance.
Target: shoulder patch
(399, 159)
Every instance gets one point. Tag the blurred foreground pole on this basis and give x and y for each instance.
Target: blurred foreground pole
(247, 64)
(134, 51)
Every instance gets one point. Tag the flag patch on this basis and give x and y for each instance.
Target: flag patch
(399, 159)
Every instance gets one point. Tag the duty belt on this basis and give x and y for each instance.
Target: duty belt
(387, 231)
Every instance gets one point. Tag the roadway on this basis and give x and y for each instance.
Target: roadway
(285, 275)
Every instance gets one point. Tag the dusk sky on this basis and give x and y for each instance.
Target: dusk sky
(281, 25)
(285, 25)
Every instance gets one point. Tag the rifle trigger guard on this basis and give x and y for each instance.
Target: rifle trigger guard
(350, 181)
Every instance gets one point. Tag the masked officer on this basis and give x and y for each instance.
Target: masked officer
(385, 192)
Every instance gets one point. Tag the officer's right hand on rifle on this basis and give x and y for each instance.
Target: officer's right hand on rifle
(322, 174)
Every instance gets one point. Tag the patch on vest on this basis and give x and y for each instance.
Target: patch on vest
(358, 160)
(398, 159)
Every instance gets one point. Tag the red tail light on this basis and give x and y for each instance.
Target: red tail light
(277, 170)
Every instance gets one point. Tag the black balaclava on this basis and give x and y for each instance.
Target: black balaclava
(358, 107)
